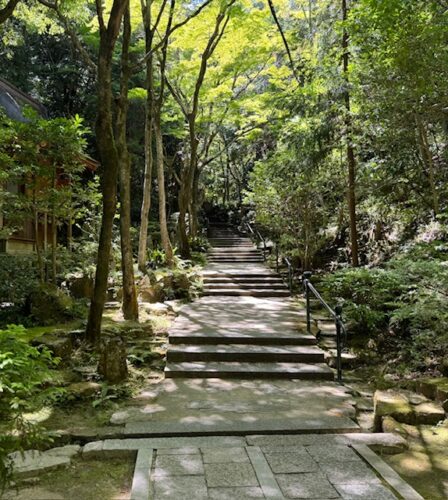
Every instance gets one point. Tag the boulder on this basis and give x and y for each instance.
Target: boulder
(389, 424)
(83, 390)
(113, 360)
(59, 345)
(394, 404)
(148, 292)
(81, 287)
(428, 413)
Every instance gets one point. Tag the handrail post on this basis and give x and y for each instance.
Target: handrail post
(338, 320)
(306, 277)
(276, 257)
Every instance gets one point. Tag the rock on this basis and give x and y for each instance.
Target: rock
(113, 363)
(83, 390)
(148, 292)
(33, 462)
(174, 305)
(429, 387)
(389, 424)
(59, 345)
(445, 405)
(365, 420)
(70, 451)
(416, 399)
(390, 377)
(157, 308)
(119, 417)
(81, 286)
(394, 404)
(429, 413)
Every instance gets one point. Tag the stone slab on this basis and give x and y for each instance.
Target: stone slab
(264, 474)
(234, 475)
(140, 488)
(170, 442)
(178, 465)
(224, 455)
(383, 443)
(291, 462)
(364, 491)
(180, 487)
(235, 493)
(340, 472)
(312, 485)
(331, 454)
(321, 424)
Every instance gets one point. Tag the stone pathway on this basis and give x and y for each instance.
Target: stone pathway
(230, 468)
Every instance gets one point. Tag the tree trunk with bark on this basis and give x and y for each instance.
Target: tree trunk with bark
(351, 160)
(109, 161)
(130, 304)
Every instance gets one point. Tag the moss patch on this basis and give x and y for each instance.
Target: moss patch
(84, 479)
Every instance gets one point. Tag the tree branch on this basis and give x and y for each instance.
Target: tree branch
(8, 10)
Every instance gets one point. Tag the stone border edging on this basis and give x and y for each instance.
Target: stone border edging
(387, 473)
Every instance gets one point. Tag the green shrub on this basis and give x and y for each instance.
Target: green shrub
(48, 305)
(25, 373)
(404, 306)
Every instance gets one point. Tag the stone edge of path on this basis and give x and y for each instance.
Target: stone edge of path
(387, 473)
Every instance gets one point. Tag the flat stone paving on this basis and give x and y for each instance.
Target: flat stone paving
(270, 472)
(216, 406)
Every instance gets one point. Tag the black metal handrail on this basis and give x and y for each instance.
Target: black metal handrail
(258, 237)
(336, 314)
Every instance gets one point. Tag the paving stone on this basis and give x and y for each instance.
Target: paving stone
(224, 455)
(310, 485)
(287, 463)
(340, 472)
(180, 487)
(285, 449)
(382, 443)
(364, 491)
(231, 475)
(330, 454)
(235, 493)
(186, 450)
(178, 465)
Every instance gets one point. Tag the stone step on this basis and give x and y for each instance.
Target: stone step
(245, 353)
(235, 259)
(231, 274)
(210, 369)
(251, 293)
(235, 251)
(244, 286)
(211, 337)
(267, 280)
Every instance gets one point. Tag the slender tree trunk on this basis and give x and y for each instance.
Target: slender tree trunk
(149, 160)
(164, 234)
(351, 161)
(109, 160)
(428, 160)
(130, 304)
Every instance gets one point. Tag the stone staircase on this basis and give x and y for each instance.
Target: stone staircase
(228, 248)
(245, 326)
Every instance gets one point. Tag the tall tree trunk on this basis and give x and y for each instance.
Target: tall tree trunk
(428, 160)
(164, 234)
(351, 161)
(109, 160)
(130, 305)
(149, 160)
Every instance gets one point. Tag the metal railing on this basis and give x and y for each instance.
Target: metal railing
(257, 236)
(336, 314)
